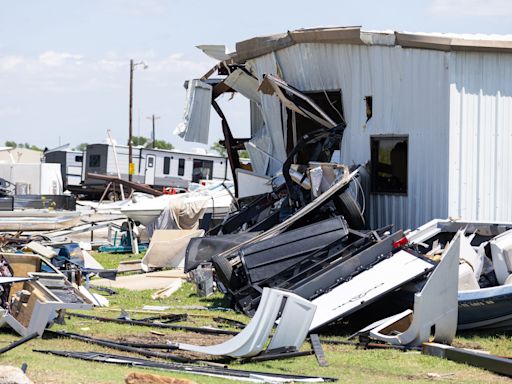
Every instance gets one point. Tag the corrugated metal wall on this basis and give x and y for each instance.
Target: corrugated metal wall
(481, 136)
(410, 97)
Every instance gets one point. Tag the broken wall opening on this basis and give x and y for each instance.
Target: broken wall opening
(298, 125)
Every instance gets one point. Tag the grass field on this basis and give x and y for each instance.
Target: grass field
(346, 363)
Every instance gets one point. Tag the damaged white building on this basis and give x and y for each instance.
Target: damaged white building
(430, 115)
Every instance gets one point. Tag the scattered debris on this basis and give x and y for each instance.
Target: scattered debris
(293, 327)
(149, 378)
(317, 348)
(19, 342)
(155, 324)
(232, 374)
(496, 364)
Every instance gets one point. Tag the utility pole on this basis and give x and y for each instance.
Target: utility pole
(153, 118)
(131, 165)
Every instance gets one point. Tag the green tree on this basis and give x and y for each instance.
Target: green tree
(9, 143)
(81, 147)
(161, 144)
(219, 148)
(139, 140)
(35, 148)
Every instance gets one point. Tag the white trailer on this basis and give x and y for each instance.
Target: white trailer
(33, 179)
(71, 165)
(157, 168)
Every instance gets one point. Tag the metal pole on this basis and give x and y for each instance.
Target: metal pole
(117, 163)
(153, 118)
(130, 158)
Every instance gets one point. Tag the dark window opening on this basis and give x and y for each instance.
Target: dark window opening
(331, 103)
(94, 161)
(150, 162)
(79, 159)
(389, 164)
(167, 165)
(369, 107)
(203, 169)
(181, 167)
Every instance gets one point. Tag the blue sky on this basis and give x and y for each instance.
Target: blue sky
(64, 64)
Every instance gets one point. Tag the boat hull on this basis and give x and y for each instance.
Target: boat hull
(485, 308)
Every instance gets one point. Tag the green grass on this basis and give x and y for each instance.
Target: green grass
(346, 363)
(111, 260)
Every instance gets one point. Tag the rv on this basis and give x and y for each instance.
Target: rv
(71, 166)
(157, 168)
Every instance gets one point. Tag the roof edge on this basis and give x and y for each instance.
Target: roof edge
(261, 45)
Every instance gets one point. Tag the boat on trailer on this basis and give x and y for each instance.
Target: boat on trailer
(488, 304)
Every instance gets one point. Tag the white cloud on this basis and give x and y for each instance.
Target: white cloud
(472, 7)
(8, 63)
(60, 72)
(57, 59)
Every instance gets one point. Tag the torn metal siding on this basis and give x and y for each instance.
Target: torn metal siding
(481, 136)
(410, 97)
(271, 110)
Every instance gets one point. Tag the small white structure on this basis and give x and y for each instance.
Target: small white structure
(71, 165)
(11, 155)
(33, 179)
(430, 113)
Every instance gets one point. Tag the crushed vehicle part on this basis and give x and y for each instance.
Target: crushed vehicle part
(201, 249)
(435, 307)
(300, 214)
(269, 257)
(326, 268)
(385, 276)
(487, 306)
(296, 317)
(233, 374)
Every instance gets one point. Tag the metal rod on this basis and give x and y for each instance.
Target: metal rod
(120, 346)
(195, 369)
(17, 343)
(213, 331)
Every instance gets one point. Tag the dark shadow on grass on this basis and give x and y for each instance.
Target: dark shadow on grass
(212, 301)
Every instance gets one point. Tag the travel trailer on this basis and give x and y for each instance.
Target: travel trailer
(71, 165)
(157, 168)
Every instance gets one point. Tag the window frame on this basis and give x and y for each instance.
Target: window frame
(181, 167)
(373, 172)
(167, 165)
(90, 161)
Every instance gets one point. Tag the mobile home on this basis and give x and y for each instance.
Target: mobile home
(429, 114)
(155, 167)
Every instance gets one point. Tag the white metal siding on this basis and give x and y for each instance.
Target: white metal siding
(410, 97)
(481, 136)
